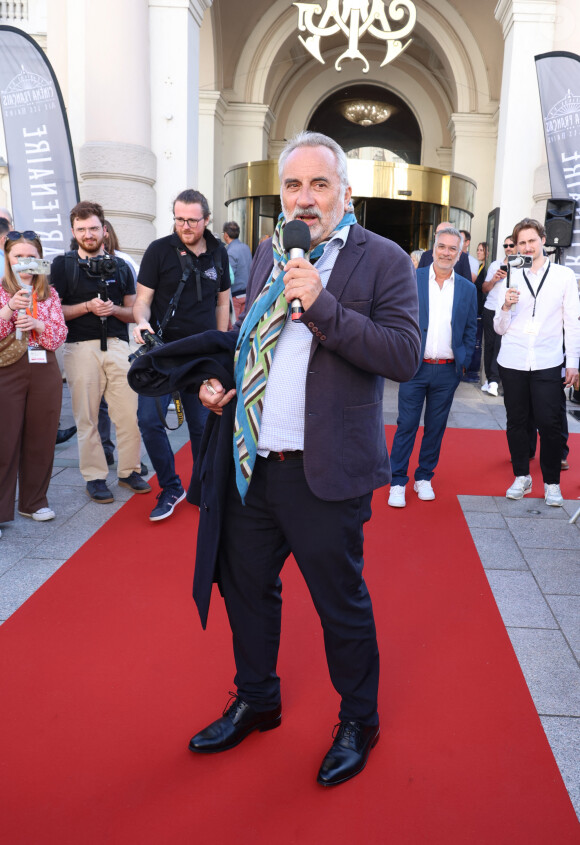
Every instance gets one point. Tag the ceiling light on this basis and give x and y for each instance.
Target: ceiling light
(365, 112)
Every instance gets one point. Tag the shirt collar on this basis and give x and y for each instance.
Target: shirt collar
(542, 268)
(432, 275)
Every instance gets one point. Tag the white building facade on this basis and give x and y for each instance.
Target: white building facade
(167, 94)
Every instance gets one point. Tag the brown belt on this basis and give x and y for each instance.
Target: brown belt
(438, 361)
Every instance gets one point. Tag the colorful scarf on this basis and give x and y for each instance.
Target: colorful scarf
(255, 351)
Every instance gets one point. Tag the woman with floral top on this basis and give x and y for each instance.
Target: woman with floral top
(31, 386)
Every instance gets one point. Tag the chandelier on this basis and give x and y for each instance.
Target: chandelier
(365, 112)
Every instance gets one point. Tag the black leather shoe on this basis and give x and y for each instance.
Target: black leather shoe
(239, 720)
(64, 434)
(348, 753)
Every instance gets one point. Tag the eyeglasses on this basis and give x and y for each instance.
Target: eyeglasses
(191, 221)
(84, 230)
(29, 235)
(508, 246)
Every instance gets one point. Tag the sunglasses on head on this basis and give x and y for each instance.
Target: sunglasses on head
(508, 246)
(29, 235)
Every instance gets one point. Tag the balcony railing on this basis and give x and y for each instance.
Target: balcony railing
(13, 10)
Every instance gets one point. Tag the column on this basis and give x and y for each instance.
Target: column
(108, 71)
(474, 139)
(528, 29)
(212, 110)
(174, 75)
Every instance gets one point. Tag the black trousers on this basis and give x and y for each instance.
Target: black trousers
(282, 516)
(491, 345)
(538, 392)
(533, 431)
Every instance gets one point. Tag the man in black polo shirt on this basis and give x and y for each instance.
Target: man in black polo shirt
(97, 307)
(192, 253)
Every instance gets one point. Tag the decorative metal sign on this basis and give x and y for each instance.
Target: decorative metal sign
(355, 20)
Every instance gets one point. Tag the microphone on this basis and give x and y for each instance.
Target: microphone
(296, 241)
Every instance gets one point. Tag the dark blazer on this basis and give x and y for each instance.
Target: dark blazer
(364, 329)
(463, 317)
(463, 267)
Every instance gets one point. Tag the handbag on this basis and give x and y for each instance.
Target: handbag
(12, 350)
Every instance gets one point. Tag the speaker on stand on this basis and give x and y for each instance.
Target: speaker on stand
(559, 224)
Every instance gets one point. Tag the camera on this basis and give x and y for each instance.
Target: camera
(99, 265)
(519, 262)
(150, 342)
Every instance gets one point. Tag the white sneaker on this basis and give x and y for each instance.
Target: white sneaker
(41, 515)
(485, 387)
(492, 389)
(424, 490)
(521, 487)
(397, 496)
(553, 495)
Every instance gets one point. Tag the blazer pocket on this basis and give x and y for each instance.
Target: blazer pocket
(363, 438)
(362, 306)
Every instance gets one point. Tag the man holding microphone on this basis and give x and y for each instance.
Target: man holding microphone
(309, 449)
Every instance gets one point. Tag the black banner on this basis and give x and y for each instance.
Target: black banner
(41, 168)
(559, 83)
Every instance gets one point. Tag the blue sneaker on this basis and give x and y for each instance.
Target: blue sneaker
(166, 502)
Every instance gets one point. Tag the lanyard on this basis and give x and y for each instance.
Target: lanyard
(33, 314)
(535, 295)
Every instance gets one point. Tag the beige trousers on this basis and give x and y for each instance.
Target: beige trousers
(90, 374)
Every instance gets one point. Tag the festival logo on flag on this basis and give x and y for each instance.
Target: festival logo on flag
(28, 93)
(563, 119)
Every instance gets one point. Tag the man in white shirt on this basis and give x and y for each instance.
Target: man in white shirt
(538, 320)
(492, 288)
(448, 323)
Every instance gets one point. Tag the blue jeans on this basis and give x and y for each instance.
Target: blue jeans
(155, 436)
(434, 385)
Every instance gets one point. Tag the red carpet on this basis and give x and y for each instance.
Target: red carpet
(106, 674)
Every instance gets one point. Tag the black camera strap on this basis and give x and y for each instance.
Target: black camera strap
(186, 267)
(531, 290)
(186, 262)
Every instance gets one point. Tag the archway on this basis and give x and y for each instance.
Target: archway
(370, 118)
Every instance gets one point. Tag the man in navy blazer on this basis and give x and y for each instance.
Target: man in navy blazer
(321, 452)
(448, 322)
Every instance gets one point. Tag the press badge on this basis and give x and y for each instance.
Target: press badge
(37, 356)
(532, 327)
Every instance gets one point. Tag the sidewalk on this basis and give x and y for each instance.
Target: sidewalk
(530, 553)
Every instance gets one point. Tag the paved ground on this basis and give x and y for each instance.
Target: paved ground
(530, 553)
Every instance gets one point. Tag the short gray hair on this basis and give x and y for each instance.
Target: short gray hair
(449, 230)
(316, 139)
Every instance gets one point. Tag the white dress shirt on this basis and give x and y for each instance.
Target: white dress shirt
(535, 342)
(438, 342)
(282, 426)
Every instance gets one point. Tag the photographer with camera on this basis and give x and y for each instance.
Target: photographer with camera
(97, 294)
(537, 319)
(183, 288)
